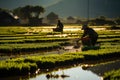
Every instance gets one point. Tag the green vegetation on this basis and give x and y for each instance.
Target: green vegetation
(27, 47)
(112, 75)
(14, 68)
(15, 40)
(20, 42)
(114, 27)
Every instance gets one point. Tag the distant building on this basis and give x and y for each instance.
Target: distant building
(52, 18)
(70, 19)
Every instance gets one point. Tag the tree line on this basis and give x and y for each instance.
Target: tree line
(30, 15)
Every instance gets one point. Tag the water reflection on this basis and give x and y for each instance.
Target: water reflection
(75, 73)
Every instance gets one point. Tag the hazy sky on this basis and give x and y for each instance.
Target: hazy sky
(65, 8)
(11, 4)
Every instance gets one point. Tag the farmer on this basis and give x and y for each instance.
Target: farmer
(89, 36)
(59, 27)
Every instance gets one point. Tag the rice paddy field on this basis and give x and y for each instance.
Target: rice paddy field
(16, 41)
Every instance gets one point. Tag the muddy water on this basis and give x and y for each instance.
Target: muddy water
(74, 73)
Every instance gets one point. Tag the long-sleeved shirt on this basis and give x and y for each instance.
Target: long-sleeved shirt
(90, 33)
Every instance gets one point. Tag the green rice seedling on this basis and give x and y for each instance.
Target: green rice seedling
(14, 68)
(112, 75)
(18, 42)
(16, 48)
(12, 30)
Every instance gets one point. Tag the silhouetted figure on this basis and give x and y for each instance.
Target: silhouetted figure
(59, 27)
(89, 36)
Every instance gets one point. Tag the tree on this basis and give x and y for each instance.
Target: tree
(36, 11)
(29, 12)
(7, 19)
(6, 10)
(117, 20)
(71, 19)
(78, 21)
(1, 9)
(100, 20)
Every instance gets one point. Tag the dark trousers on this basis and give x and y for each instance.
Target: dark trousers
(94, 40)
(58, 30)
(89, 41)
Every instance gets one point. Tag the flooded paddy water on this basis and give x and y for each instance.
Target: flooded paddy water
(73, 73)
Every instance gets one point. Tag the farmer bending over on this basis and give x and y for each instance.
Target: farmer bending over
(89, 36)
